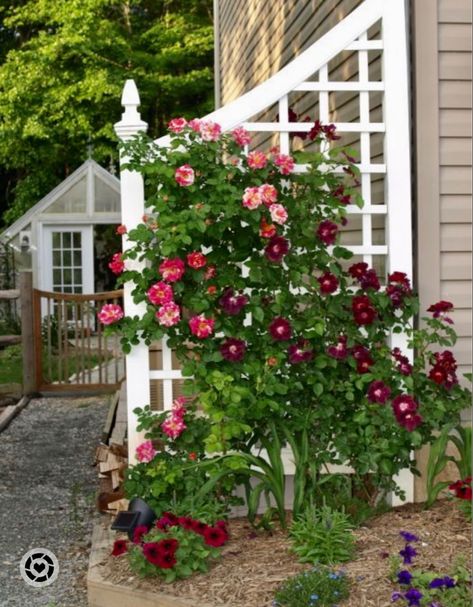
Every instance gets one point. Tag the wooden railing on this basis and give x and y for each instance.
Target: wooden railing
(72, 350)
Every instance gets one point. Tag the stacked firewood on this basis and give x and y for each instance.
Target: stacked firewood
(112, 462)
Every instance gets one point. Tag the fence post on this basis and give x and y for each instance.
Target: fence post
(27, 332)
(132, 209)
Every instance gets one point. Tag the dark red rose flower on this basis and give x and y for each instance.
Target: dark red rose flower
(358, 270)
(233, 349)
(328, 283)
(396, 295)
(138, 533)
(276, 249)
(398, 288)
(370, 280)
(300, 352)
(215, 536)
(440, 310)
(119, 547)
(152, 552)
(444, 370)
(327, 232)
(280, 329)
(363, 310)
(232, 303)
(438, 375)
(403, 366)
(401, 279)
(363, 358)
(339, 193)
(339, 350)
(316, 130)
(378, 392)
(405, 410)
(166, 560)
(363, 366)
(410, 421)
(330, 132)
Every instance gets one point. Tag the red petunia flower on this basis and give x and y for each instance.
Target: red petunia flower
(233, 349)
(152, 552)
(119, 547)
(166, 560)
(215, 536)
(276, 249)
(168, 546)
(186, 522)
(280, 329)
(328, 283)
(199, 527)
(138, 533)
(462, 489)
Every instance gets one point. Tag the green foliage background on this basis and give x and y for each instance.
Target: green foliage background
(63, 64)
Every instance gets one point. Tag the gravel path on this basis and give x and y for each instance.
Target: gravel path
(47, 491)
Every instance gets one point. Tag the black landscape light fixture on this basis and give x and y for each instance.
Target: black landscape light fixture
(138, 513)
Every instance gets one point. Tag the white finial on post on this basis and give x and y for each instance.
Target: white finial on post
(131, 122)
(133, 209)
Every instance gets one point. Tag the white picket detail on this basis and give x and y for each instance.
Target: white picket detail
(349, 34)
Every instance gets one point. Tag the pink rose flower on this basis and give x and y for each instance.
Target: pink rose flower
(184, 175)
(145, 452)
(195, 124)
(269, 194)
(201, 327)
(177, 125)
(172, 270)
(210, 131)
(210, 272)
(121, 229)
(252, 198)
(266, 230)
(257, 160)
(284, 163)
(178, 408)
(173, 426)
(278, 213)
(241, 136)
(110, 313)
(160, 293)
(196, 260)
(116, 264)
(169, 314)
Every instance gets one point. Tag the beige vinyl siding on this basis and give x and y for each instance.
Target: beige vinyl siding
(444, 157)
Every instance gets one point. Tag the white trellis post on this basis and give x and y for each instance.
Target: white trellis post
(397, 158)
(133, 208)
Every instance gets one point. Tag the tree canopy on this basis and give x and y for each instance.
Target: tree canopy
(63, 64)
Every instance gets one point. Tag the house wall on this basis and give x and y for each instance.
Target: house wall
(443, 102)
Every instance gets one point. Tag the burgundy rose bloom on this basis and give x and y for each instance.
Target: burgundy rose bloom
(327, 232)
(231, 303)
(330, 132)
(300, 352)
(152, 552)
(370, 280)
(215, 536)
(339, 350)
(444, 370)
(316, 130)
(233, 349)
(280, 329)
(328, 283)
(138, 533)
(276, 249)
(363, 358)
(339, 193)
(440, 309)
(403, 366)
(401, 279)
(395, 294)
(398, 288)
(363, 310)
(405, 410)
(378, 392)
(119, 547)
(358, 270)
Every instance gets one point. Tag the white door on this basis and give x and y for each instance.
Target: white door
(68, 259)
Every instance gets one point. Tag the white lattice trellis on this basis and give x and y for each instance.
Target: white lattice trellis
(310, 72)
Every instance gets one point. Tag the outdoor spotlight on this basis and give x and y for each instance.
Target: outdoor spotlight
(138, 513)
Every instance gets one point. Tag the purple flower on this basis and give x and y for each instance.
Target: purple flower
(404, 577)
(233, 349)
(408, 537)
(413, 596)
(231, 303)
(440, 582)
(408, 553)
(396, 596)
(379, 392)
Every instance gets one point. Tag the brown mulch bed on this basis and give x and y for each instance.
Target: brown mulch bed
(254, 565)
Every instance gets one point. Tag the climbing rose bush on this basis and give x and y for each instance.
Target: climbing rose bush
(273, 322)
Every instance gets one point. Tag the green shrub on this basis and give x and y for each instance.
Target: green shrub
(323, 535)
(319, 587)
